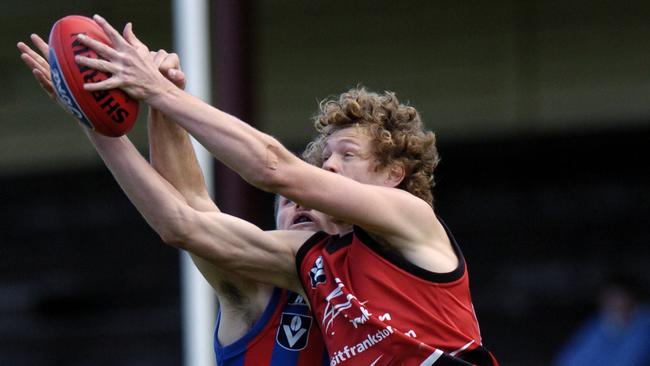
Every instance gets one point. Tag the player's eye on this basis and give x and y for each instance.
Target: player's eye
(285, 202)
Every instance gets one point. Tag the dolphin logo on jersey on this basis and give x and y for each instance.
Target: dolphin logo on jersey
(293, 331)
(317, 273)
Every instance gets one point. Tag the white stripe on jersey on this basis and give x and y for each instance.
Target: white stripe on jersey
(432, 358)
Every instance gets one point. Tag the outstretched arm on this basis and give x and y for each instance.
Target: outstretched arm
(257, 157)
(221, 239)
(228, 242)
(170, 149)
(171, 154)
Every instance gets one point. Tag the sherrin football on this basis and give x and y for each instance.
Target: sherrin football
(109, 112)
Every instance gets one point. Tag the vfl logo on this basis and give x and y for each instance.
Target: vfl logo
(296, 299)
(293, 331)
(317, 273)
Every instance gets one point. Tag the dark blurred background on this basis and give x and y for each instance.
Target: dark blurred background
(542, 115)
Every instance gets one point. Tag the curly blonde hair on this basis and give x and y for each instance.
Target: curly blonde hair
(396, 131)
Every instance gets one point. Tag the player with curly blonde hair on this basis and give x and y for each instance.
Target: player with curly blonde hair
(392, 288)
(396, 133)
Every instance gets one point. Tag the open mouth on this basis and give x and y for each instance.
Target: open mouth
(300, 219)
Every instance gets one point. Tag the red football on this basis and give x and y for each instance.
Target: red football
(109, 112)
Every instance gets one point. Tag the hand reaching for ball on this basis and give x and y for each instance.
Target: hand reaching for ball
(168, 64)
(129, 62)
(38, 63)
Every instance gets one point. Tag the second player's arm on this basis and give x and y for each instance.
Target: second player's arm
(225, 241)
(180, 218)
(171, 154)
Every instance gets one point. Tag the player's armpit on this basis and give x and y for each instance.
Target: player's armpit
(235, 245)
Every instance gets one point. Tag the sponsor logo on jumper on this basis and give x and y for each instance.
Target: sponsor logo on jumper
(293, 331)
(332, 309)
(411, 333)
(339, 300)
(365, 315)
(370, 340)
(317, 272)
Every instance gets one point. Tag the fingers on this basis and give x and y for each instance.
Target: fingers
(97, 64)
(102, 50)
(37, 59)
(112, 34)
(110, 83)
(130, 37)
(38, 65)
(159, 57)
(169, 65)
(170, 61)
(35, 66)
(30, 62)
(175, 74)
(45, 82)
(42, 46)
(42, 79)
(177, 77)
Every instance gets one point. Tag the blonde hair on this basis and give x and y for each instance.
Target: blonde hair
(396, 131)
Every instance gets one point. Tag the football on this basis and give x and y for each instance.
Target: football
(109, 112)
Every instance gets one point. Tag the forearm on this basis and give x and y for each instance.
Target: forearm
(157, 200)
(225, 241)
(171, 154)
(252, 154)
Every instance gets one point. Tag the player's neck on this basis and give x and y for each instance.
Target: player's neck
(343, 228)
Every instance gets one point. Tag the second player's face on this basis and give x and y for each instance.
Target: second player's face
(291, 216)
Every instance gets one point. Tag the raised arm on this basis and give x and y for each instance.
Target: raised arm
(170, 149)
(225, 241)
(228, 242)
(257, 157)
(171, 154)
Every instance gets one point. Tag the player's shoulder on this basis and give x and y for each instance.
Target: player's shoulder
(295, 238)
(413, 221)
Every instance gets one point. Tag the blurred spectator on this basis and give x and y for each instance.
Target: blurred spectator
(619, 334)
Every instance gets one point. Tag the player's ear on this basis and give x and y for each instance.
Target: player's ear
(396, 174)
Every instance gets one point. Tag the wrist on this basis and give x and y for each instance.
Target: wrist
(157, 97)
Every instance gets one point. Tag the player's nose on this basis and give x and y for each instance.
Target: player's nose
(331, 164)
